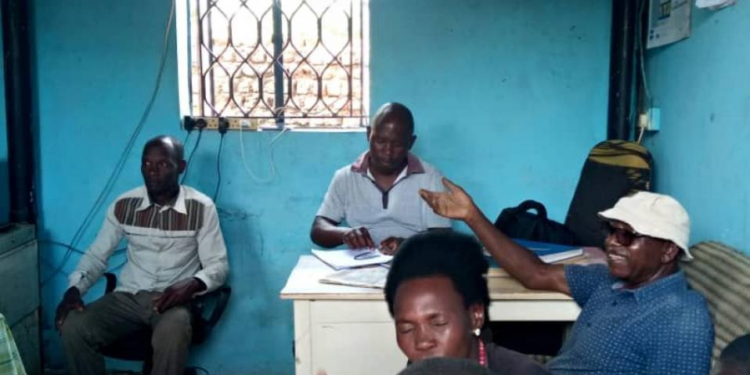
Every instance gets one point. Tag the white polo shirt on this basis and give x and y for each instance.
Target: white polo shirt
(354, 197)
(166, 244)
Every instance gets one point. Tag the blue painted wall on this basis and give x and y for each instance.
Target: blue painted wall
(702, 85)
(508, 95)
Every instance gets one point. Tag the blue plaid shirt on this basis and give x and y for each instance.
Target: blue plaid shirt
(661, 328)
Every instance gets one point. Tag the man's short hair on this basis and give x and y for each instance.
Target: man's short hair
(173, 143)
(441, 253)
(390, 111)
(446, 366)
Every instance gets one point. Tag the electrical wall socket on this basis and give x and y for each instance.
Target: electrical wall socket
(650, 120)
(654, 119)
(234, 123)
(244, 123)
(211, 122)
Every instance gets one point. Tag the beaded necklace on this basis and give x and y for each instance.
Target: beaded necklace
(482, 354)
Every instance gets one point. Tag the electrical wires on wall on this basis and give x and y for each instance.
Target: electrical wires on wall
(218, 169)
(71, 250)
(192, 153)
(223, 128)
(108, 186)
(271, 144)
(645, 101)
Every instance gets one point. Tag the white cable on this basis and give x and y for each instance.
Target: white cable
(134, 136)
(123, 157)
(642, 53)
(271, 157)
(640, 136)
(644, 78)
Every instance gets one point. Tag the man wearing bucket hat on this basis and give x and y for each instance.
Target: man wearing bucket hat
(638, 314)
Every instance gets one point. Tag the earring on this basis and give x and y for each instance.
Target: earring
(476, 332)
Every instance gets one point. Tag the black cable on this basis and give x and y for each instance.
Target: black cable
(187, 138)
(124, 156)
(73, 249)
(70, 250)
(201, 369)
(131, 142)
(192, 153)
(218, 169)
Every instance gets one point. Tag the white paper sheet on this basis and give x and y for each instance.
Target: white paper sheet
(367, 277)
(340, 259)
(714, 4)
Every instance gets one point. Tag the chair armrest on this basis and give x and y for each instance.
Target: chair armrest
(111, 282)
(202, 325)
(222, 299)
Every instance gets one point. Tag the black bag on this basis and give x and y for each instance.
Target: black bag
(612, 170)
(517, 222)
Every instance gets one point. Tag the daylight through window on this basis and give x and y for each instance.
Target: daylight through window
(295, 63)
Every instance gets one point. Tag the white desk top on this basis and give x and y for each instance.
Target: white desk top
(303, 284)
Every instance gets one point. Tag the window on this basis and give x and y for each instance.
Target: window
(278, 63)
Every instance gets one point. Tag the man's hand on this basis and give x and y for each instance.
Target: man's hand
(71, 301)
(390, 245)
(453, 204)
(178, 294)
(358, 238)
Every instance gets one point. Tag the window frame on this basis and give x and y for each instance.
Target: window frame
(184, 45)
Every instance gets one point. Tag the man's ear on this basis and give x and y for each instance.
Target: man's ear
(412, 141)
(369, 130)
(670, 252)
(181, 165)
(476, 314)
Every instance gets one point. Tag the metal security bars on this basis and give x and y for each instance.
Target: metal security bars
(279, 63)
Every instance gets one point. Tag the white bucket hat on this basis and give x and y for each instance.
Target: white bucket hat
(654, 215)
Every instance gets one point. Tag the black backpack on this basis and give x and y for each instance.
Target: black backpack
(518, 222)
(612, 170)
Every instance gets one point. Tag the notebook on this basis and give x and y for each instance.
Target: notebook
(366, 277)
(547, 252)
(349, 258)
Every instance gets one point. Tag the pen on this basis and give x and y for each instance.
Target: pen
(370, 254)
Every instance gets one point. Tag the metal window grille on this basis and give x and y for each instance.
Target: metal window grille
(279, 63)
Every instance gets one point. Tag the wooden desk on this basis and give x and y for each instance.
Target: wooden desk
(347, 330)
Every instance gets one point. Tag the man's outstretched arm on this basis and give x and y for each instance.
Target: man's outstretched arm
(518, 261)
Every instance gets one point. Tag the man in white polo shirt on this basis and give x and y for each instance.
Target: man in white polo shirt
(378, 195)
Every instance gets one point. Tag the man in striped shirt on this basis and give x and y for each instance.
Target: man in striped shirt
(175, 251)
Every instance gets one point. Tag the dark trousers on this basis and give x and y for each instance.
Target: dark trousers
(116, 315)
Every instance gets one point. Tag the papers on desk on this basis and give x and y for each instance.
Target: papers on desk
(367, 277)
(341, 259)
(352, 267)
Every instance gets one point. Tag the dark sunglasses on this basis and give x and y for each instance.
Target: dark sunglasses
(623, 236)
